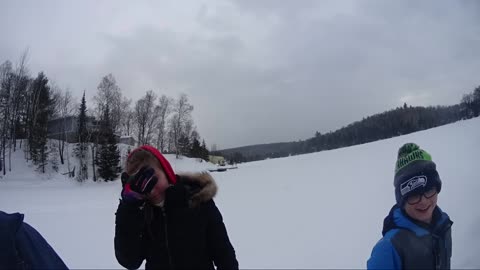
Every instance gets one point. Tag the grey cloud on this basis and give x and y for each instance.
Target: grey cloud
(260, 71)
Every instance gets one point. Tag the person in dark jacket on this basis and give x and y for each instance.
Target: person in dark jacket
(416, 232)
(169, 220)
(23, 247)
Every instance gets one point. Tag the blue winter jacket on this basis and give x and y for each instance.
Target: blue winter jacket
(407, 244)
(22, 247)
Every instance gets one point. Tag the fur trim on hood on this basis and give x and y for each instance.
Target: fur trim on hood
(202, 187)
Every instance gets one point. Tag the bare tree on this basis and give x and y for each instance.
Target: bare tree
(189, 128)
(13, 92)
(109, 94)
(17, 102)
(164, 104)
(6, 85)
(145, 114)
(93, 135)
(182, 116)
(126, 118)
(170, 140)
(20, 87)
(64, 108)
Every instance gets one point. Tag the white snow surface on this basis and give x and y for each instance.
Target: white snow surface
(320, 210)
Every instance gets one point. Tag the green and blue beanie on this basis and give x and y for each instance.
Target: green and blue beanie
(415, 172)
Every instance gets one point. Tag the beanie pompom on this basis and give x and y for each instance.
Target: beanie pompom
(407, 149)
(410, 153)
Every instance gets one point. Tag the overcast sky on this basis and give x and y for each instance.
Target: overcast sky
(256, 71)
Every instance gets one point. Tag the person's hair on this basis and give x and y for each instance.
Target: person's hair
(139, 158)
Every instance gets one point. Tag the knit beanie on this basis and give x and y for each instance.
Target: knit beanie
(415, 173)
(167, 168)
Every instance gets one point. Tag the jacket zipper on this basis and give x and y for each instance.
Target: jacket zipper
(436, 251)
(21, 264)
(436, 239)
(170, 263)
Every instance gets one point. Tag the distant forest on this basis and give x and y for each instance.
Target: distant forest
(396, 122)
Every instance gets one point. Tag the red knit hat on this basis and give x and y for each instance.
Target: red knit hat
(167, 168)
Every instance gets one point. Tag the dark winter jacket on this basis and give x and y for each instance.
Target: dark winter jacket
(407, 244)
(22, 247)
(187, 233)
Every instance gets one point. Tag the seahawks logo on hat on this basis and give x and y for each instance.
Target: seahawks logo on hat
(413, 183)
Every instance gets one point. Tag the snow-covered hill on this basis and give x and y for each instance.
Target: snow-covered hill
(320, 210)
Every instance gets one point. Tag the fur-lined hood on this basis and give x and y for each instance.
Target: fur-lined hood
(201, 187)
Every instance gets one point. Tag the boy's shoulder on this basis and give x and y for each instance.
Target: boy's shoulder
(384, 254)
(9, 225)
(386, 242)
(21, 244)
(11, 220)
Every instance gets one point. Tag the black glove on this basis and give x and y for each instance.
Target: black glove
(138, 185)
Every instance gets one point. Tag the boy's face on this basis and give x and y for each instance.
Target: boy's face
(157, 195)
(422, 209)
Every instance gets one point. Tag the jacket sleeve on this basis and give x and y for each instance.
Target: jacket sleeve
(220, 248)
(129, 243)
(384, 256)
(35, 250)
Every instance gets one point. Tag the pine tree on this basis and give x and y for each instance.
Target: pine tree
(108, 156)
(184, 147)
(82, 135)
(42, 112)
(82, 121)
(204, 153)
(196, 149)
(476, 102)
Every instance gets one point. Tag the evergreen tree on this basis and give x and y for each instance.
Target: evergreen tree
(184, 146)
(476, 102)
(108, 156)
(43, 111)
(204, 153)
(196, 149)
(82, 144)
(82, 121)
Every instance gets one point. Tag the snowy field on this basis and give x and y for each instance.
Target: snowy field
(320, 210)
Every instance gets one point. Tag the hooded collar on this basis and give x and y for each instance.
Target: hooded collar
(191, 190)
(201, 187)
(398, 219)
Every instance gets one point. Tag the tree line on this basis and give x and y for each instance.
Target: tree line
(28, 104)
(395, 122)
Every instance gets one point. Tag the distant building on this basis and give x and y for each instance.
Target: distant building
(217, 160)
(127, 140)
(55, 128)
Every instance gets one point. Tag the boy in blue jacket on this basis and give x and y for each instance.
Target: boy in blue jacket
(416, 232)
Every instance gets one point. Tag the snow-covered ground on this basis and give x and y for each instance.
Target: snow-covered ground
(320, 210)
